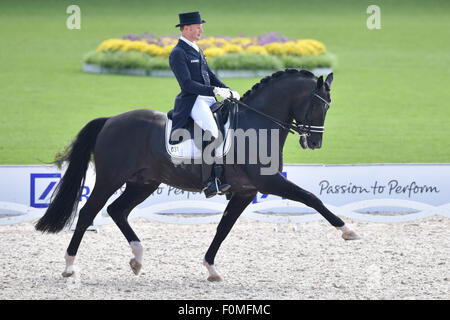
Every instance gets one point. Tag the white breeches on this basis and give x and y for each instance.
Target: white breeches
(202, 115)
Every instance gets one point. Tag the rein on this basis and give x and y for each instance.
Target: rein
(293, 127)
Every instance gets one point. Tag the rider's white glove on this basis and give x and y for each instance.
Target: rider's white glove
(222, 92)
(236, 95)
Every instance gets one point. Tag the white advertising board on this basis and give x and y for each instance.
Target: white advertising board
(414, 191)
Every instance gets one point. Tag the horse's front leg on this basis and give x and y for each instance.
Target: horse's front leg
(236, 205)
(278, 185)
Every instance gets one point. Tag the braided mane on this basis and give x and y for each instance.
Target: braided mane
(275, 75)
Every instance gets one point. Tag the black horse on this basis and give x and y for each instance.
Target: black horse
(130, 149)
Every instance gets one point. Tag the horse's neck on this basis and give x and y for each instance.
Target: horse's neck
(272, 107)
(279, 96)
(277, 100)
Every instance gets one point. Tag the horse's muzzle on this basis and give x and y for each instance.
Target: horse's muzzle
(304, 142)
(311, 145)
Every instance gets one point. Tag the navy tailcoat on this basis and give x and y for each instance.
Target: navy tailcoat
(194, 77)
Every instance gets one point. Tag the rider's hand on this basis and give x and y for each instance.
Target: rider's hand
(235, 95)
(222, 92)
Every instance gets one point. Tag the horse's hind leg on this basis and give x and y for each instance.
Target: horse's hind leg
(235, 207)
(94, 204)
(119, 211)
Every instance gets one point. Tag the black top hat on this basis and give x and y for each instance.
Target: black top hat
(190, 18)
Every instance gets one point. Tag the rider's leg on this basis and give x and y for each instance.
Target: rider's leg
(217, 180)
(202, 115)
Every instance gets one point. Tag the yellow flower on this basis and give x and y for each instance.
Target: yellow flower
(255, 49)
(214, 47)
(232, 48)
(275, 48)
(291, 48)
(311, 47)
(166, 41)
(214, 52)
(243, 41)
(134, 46)
(153, 50)
(165, 51)
(219, 42)
(204, 43)
(111, 44)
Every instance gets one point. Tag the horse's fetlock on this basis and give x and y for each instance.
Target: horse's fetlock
(138, 250)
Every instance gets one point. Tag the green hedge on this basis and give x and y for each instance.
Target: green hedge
(237, 61)
(240, 61)
(126, 60)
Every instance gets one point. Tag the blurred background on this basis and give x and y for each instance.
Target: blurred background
(390, 96)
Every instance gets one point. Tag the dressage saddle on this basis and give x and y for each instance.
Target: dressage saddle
(220, 114)
(213, 176)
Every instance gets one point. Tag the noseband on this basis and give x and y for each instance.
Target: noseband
(298, 129)
(307, 129)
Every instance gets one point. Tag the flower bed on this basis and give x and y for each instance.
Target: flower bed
(266, 52)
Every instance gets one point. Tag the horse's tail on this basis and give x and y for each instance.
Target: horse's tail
(64, 202)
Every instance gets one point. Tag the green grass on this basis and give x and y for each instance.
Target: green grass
(390, 96)
(310, 62)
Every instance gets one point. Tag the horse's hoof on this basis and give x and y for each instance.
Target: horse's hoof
(135, 266)
(215, 278)
(68, 274)
(213, 275)
(351, 235)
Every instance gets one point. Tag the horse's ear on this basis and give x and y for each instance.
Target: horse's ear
(329, 80)
(320, 82)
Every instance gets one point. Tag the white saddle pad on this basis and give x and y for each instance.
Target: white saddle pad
(188, 150)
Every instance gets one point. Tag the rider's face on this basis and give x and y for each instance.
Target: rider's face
(193, 32)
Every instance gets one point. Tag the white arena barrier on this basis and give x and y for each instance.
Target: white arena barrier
(412, 191)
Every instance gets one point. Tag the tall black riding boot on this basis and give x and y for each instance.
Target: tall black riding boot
(208, 180)
(219, 173)
(213, 180)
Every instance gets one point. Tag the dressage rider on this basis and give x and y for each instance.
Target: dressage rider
(199, 85)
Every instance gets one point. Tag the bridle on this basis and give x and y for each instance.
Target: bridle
(307, 129)
(297, 129)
